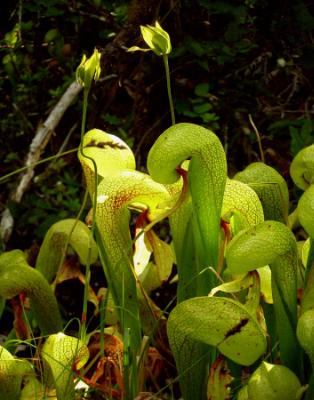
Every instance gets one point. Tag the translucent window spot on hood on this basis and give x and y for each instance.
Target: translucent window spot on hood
(102, 198)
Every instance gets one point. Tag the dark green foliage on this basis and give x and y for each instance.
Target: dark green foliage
(301, 132)
(56, 195)
(230, 59)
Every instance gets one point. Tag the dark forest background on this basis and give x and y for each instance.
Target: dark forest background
(230, 60)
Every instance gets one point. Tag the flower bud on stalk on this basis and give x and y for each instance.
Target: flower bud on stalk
(88, 70)
(156, 38)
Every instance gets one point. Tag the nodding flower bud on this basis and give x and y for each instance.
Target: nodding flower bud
(157, 39)
(88, 70)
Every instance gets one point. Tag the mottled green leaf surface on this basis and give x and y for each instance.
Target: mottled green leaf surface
(302, 168)
(63, 354)
(270, 187)
(272, 243)
(73, 232)
(242, 203)
(16, 277)
(109, 152)
(207, 175)
(12, 371)
(273, 382)
(306, 210)
(219, 322)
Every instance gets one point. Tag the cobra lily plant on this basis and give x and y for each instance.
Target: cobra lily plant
(241, 325)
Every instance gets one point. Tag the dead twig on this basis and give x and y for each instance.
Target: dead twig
(258, 137)
(36, 148)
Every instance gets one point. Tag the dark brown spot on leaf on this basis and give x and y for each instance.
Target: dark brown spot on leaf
(237, 328)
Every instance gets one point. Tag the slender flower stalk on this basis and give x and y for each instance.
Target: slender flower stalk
(158, 41)
(88, 71)
(44, 160)
(166, 64)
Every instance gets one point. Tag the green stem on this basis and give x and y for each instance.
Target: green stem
(102, 315)
(185, 254)
(166, 64)
(19, 170)
(87, 270)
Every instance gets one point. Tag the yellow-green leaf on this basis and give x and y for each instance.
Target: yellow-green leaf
(71, 231)
(273, 382)
(62, 354)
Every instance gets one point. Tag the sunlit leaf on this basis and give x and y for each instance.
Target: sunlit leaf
(71, 231)
(62, 355)
(270, 187)
(273, 382)
(219, 322)
(12, 371)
